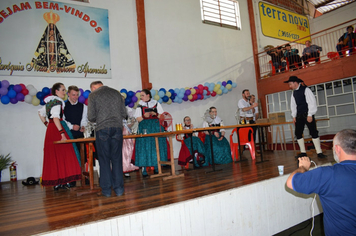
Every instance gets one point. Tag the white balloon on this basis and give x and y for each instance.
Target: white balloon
(30, 86)
(28, 99)
(32, 91)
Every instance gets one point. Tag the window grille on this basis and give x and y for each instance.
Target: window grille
(224, 13)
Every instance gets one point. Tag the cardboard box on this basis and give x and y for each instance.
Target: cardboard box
(278, 117)
(262, 120)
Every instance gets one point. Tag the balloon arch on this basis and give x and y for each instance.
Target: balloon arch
(10, 93)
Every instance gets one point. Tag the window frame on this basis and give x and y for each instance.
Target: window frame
(225, 13)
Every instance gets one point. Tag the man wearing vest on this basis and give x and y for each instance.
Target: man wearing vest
(303, 108)
(75, 113)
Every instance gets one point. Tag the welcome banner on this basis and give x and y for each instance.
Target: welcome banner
(45, 38)
(282, 24)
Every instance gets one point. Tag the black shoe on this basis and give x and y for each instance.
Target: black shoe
(66, 186)
(302, 154)
(321, 155)
(56, 188)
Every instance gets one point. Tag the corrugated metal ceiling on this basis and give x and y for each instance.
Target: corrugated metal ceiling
(324, 6)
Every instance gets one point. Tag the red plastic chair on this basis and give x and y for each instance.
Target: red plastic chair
(246, 138)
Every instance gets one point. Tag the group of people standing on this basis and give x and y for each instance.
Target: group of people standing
(106, 108)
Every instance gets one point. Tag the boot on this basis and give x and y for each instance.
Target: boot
(302, 148)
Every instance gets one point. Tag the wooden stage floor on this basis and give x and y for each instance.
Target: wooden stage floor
(28, 210)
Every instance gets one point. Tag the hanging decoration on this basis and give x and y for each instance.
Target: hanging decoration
(10, 93)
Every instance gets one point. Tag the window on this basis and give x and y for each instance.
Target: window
(224, 13)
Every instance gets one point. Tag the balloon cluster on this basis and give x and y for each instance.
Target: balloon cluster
(200, 92)
(29, 94)
(131, 98)
(10, 93)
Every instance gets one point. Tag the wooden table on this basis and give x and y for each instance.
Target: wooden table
(172, 174)
(90, 142)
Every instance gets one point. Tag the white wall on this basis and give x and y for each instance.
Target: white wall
(182, 52)
(263, 208)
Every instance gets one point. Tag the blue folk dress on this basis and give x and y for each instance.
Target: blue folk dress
(145, 148)
(221, 149)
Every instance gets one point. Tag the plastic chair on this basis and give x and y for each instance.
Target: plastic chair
(246, 138)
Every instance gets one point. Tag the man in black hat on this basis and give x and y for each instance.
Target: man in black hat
(303, 107)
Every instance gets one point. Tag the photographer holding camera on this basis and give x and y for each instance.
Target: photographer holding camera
(335, 184)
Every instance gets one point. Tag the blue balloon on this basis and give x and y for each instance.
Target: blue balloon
(176, 90)
(160, 100)
(233, 84)
(0, 83)
(180, 95)
(229, 82)
(182, 90)
(165, 99)
(206, 84)
(161, 93)
(205, 92)
(171, 91)
(11, 93)
(225, 91)
(5, 99)
(123, 91)
(86, 94)
(173, 96)
(218, 82)
(46, 91)
(162, 89)
(42, 102)
(130, 94)
(11, 87)
(128, 100)
(153, 92)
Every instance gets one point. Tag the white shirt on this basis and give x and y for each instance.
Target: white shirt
(55, 111)
(216, 121)
(149, 104)
(243, 104)
(254, 113)
(310, 98)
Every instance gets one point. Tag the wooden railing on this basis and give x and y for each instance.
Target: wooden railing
(327, 39)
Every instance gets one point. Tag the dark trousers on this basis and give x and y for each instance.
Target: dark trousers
(109, 147)
(294, 59)
(301, 121)
(340, 46)
(313, 54)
